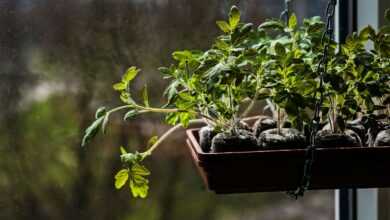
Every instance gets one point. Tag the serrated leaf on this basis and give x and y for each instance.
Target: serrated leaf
(387, 14)
(186, 96)
(119, 86)
(367, 32)
(126, 98)
(172, 118)
(224, 26)
(152, 141)
(121, 178)
(171, 90)
(234, 17)
(279, 49)
(138, 169)
(292, 21)
(145, 95)
(182, 55)
(222, 45)
(185, 118)
(123, 150)
(130, 74)
(165, 71)
(271, 24)
(91, 131)
(100, 112)
(139, 187)
(130, 114)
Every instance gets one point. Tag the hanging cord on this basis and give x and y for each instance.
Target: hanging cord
(285, 15)
(322, 69)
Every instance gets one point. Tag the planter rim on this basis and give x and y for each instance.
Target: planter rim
(195, 144)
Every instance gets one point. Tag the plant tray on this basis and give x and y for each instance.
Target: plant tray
(281, 170)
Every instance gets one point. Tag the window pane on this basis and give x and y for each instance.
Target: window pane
(58, 62)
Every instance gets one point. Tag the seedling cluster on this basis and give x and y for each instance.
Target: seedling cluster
(275, 62)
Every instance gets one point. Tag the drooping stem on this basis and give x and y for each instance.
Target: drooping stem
(145, 109)
(167, 134)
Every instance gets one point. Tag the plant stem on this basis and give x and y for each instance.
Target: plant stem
(251, 104)
(279, 121)
(145, 109)
(119, 108)
(167, 134)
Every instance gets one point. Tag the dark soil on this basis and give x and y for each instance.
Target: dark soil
(262, 124)
(358, 127)
(383, 138)
(327, 139)
(288, 138)
(206, 134)
(245, 126)
(242, 141)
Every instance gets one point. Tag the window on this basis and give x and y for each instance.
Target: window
(58, 61)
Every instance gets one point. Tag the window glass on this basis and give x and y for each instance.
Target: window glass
(58, 61)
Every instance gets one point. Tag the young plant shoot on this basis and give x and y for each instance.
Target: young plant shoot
(275, 62)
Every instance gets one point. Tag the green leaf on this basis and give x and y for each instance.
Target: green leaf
(152, 141)
(123, 150)
(279, 49)
(185, 118)
(182, 55)
(292, 22)
(91, 131)
(130, 74)
(186, 96)
(126, 98)
(121, 178)
(172, 118)
(165, 71)
(366, 33)
(119, 86)
(234, 17)
(224, 26)
(138, 169)
(171, 90)
(131, 158)
(100, 112)
(245, 29)
(272, 24)
(145, 95)
(130, 114)
(222, 45)
(139, 186)
(387, 14)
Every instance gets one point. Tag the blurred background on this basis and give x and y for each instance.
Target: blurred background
(58, 61)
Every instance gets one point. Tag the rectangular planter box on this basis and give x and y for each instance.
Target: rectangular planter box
(281, 170)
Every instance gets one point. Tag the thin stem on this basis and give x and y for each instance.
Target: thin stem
(167, 134)
(119, 108)
(279, 119)
(172, 110)
(331, 114)
(251, 104)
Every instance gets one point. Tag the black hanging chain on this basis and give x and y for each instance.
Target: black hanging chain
(285, 15)
(322, 69)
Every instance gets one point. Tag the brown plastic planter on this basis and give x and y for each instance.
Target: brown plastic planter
(281, 170)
